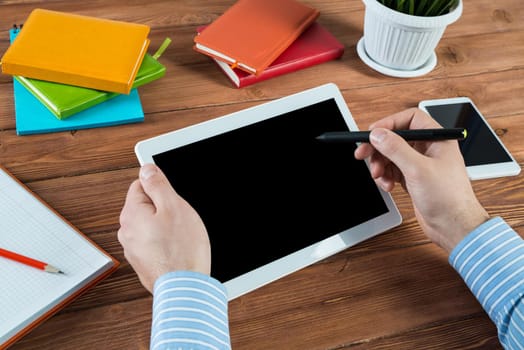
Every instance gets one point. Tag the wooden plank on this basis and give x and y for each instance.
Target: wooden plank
(93, 202)
(396, 290)
(95, 329)
(326, 322)
(452, 334)
(189, 72)
(87, 151)
(399, 290)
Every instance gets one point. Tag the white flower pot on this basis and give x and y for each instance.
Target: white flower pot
(400, 41)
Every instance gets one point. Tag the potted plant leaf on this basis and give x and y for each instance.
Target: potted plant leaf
(400, 36)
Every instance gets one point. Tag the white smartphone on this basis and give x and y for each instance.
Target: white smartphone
(484, 153)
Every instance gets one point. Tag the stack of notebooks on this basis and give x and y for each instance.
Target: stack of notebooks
(255, 40)
(75, 72)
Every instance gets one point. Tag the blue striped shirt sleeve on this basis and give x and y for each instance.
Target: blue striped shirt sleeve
(190, 311)
(491, 262)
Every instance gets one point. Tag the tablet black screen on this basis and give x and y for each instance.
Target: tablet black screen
(269, 189)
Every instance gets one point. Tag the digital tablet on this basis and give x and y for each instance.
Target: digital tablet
(273, 198)
(484, 153)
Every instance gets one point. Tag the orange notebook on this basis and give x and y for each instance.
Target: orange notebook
(251, 34)
(78, 50)
(30, 227)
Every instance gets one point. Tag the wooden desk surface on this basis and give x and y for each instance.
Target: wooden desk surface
(395, 291)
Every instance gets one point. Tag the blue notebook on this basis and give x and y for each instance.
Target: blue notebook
(32, 117)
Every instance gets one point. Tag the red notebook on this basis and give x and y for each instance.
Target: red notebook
(253, 33)
(316, 45)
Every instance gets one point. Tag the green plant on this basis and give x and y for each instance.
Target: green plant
(424, 8)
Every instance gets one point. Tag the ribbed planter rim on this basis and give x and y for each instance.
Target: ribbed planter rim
(413, 21)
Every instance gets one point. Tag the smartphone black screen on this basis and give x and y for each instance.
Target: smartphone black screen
(481, 146)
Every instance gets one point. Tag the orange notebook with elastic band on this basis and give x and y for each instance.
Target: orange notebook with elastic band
(78, 50)
(251, 34)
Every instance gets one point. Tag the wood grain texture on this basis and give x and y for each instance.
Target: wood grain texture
(395, 291)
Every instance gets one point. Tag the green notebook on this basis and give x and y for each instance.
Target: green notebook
(65, 100)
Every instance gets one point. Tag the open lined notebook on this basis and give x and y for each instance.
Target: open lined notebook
(30, 227)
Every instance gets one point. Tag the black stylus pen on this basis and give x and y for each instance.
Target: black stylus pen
(409, 135)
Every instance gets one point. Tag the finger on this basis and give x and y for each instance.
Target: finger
(395, 148)
(363, 151)
(385, 184)
(136, 201)
(136, 194)
(378, 164)
(156, 186)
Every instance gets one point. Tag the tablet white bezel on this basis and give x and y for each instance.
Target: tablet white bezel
(146, 149)
(485, 171)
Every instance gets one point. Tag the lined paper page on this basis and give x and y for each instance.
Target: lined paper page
(30, 228)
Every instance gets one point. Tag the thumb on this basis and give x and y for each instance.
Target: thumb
(395, 148)
(156, 185)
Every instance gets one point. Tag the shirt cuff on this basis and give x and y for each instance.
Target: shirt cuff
(490, 259)
(190, 311)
